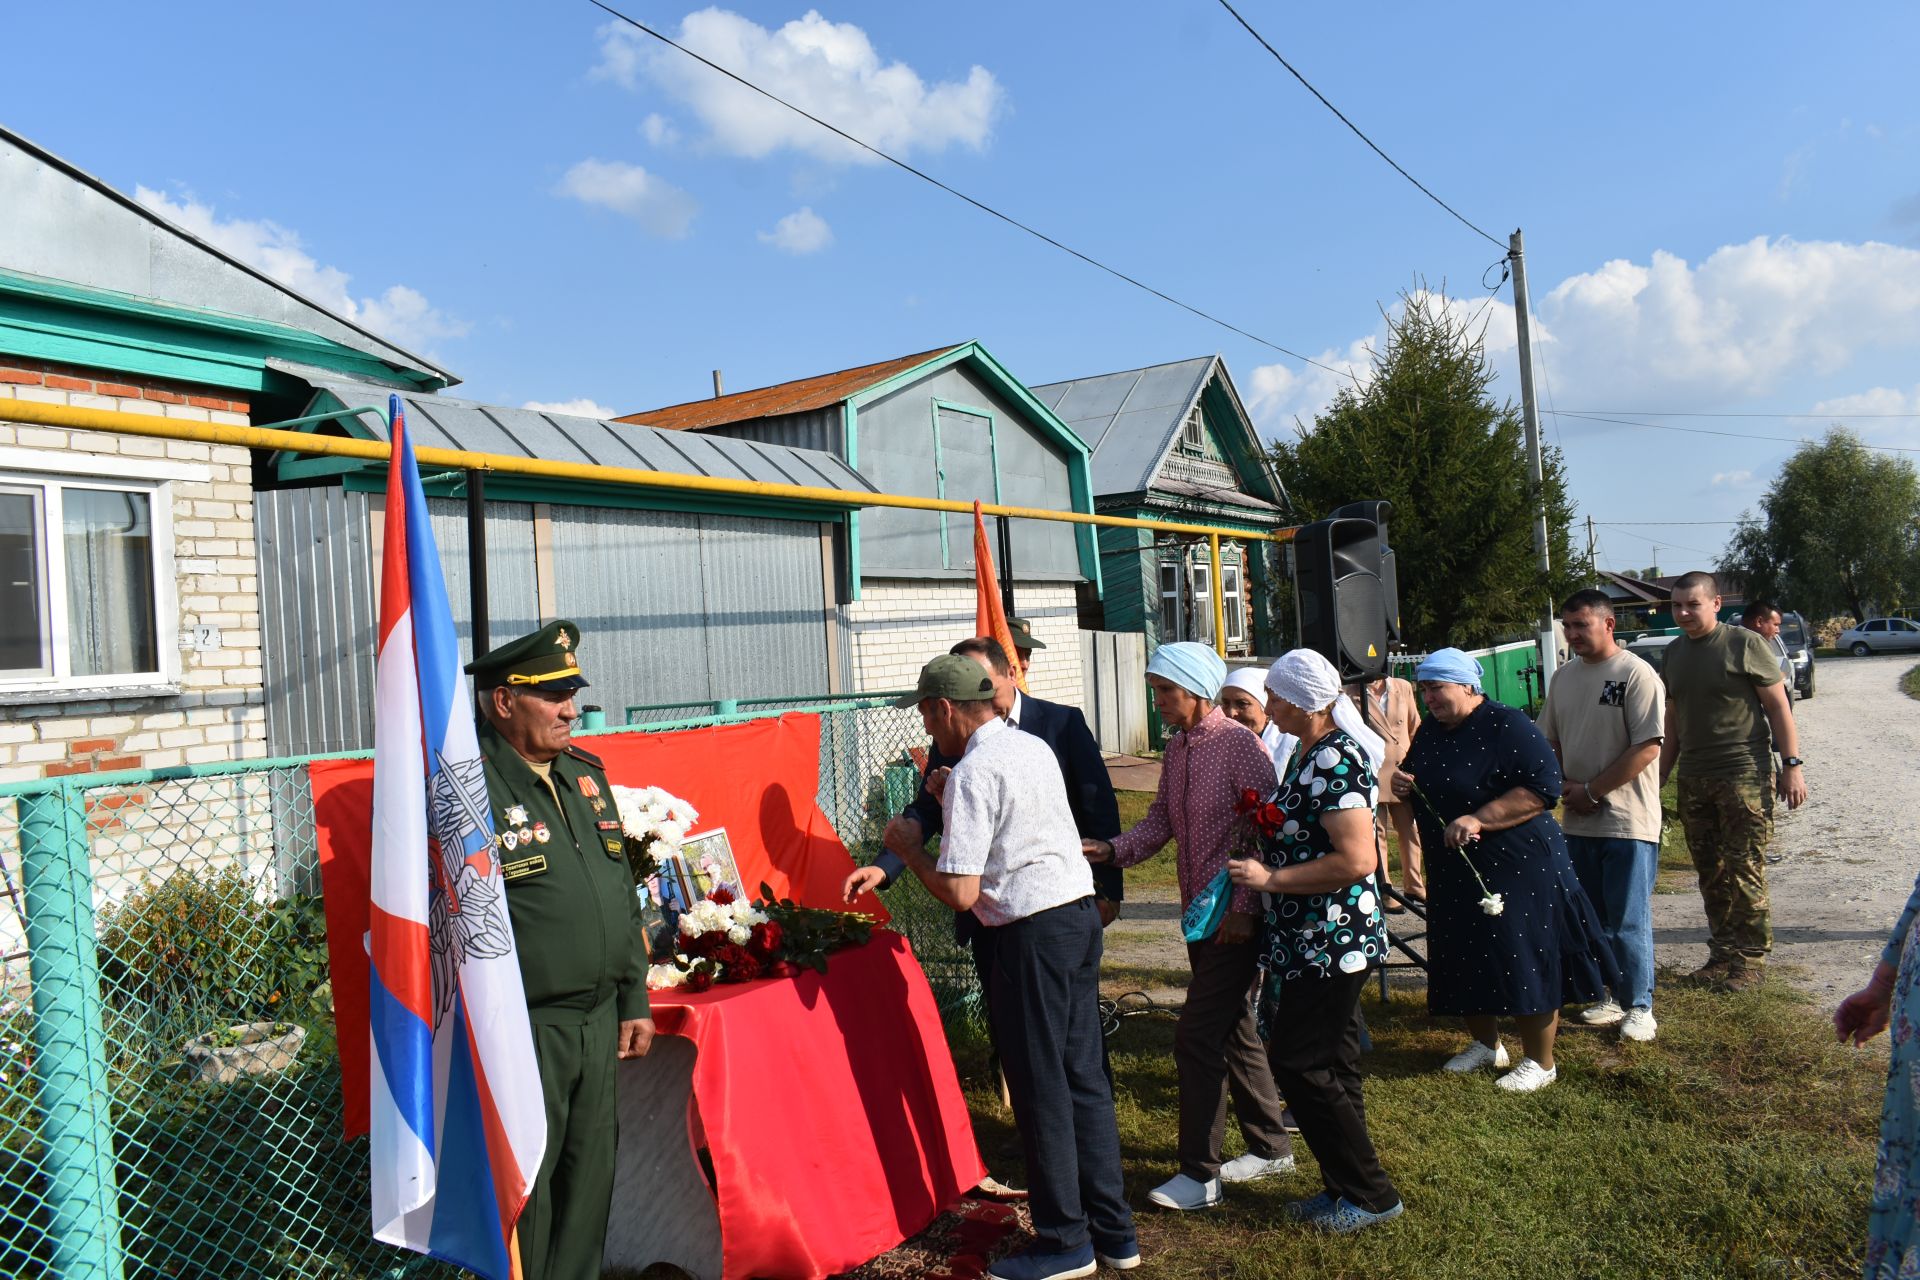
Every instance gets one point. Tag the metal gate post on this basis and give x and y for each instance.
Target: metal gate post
(70, 1049)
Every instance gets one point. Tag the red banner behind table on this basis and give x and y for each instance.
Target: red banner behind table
(757, 779)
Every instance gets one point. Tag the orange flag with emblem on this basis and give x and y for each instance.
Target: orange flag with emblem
(989, 614)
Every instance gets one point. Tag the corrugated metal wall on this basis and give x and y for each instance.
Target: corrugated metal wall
(672, 606)
(316, 619)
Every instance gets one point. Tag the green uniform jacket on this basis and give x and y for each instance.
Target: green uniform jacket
(577, 922)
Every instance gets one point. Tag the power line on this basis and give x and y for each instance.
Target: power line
(1676, 413)
(961, 195)
(1707, 431)
(1659, 542)
(1356, 128)
(1659, 524)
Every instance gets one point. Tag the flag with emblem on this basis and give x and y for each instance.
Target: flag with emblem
(457, 1126)
(989, 610)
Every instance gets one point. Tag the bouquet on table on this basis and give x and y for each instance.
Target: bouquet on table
(724, 938)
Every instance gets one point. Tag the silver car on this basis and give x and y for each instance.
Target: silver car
(1881, 635)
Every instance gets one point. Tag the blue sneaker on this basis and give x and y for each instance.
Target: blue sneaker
(1307, 1210)
(1347, 1218)
(1036, 1263)
(1119, 1257)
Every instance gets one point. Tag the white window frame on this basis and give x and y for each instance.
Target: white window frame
(1231, 599)
(1193, 432)
(1172, 591)
(52, 475)
(1202, 627)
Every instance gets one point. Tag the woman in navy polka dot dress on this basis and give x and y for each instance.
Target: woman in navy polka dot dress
(1510, 932)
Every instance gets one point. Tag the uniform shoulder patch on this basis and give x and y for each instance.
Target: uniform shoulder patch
(579, 753)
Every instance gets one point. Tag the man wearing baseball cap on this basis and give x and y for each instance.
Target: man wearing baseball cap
(1011, 855)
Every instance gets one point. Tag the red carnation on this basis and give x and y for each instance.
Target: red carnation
(729, 955)
(1271, 819)
(767, 937)
(698, 980)
(1249, 800)
(722, 896)
(745, 969)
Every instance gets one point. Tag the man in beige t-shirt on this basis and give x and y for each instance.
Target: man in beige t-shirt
(1605, 717)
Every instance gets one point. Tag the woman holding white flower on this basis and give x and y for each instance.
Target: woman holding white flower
(1510, 932)
(1320, 934)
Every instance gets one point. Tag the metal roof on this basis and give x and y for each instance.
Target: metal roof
(1129, 419)
(62, 223)
(798, 396)
(442, 422)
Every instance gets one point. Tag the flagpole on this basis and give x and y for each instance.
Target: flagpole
(477, 558)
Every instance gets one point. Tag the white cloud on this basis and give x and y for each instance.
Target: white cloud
(581, 408)
(802, 231)
(1741, 479)
(629, 190)
(1876, 400)
(659, 130)
(401, 314)
(830, 69)
(1747, 322)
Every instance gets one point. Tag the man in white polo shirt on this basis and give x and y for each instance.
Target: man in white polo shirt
(1011, 855)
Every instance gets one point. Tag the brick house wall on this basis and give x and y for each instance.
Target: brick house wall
(218, 711)
(898, 624)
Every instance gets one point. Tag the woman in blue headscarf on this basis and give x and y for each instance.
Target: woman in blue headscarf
(1510, 932)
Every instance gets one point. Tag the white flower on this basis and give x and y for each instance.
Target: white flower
(739, 935)
(1493, 904)
(665, 975)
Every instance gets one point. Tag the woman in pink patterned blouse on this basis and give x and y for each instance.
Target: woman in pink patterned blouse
(1209, 761)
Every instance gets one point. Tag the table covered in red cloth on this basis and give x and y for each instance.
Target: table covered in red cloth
(831, 1109)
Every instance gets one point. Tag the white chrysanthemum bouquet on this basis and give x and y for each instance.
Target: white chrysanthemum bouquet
(648, 816)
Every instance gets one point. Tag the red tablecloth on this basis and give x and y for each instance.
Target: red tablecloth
(831, 1110)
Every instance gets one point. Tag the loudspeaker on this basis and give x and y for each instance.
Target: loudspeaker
(1377, 511)
(1342, 594)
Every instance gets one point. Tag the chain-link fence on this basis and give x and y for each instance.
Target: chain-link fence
(169, 1087)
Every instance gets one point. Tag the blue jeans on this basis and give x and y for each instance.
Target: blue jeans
(1617, 875)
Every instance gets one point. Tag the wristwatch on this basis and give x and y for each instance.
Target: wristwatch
(1791, 762)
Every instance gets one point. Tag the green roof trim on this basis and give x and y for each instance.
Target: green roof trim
(66, 323)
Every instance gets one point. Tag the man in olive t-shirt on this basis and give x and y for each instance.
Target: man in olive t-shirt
(1725, 701)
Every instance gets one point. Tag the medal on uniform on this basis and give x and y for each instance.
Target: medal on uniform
(541, 833)
(526, 835)
(510, 840)
(517, 816)
(588, 787)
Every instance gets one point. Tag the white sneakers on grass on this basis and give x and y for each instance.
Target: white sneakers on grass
(1477, 1056)
(1249, 1167)
(1527, 1077)
(1184, 1193)
(1605, 1014)
(1638, 1024)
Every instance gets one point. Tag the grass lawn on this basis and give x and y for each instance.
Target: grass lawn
(1738, 1144)
(1159, 871)
(1910, 683)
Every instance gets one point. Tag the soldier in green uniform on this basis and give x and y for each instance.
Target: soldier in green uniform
(578, 928)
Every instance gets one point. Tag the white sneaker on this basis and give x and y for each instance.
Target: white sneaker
(1477, 1056)
(1249, 1167)
(1638, 1025)
(1605, 1014)
(1527, 1077)
(1182, 1192)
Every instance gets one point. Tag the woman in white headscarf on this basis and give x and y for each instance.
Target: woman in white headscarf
(1321, 933)
(1243, 698)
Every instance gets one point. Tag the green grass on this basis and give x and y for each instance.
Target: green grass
(1739, 1144)
(1160, 871)
(1910, 683)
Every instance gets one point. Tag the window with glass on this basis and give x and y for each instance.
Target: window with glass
(1193, 432)
(1231, 599)
(80, 582)
(1202, 603)
(1171, 586)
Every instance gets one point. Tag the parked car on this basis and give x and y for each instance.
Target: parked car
(1651, 649)
(1799, 642)
(1881, 635)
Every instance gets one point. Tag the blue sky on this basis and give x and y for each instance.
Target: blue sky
(1722, 207)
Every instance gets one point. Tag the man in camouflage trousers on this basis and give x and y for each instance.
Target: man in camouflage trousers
(1727, 712)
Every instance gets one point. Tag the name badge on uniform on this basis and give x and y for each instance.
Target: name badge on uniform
(615, 848)
(525, 867)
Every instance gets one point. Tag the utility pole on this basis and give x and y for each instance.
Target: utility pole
(1530, 418)
(1590, 563)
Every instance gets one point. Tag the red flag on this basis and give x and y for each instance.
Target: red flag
(989, 615)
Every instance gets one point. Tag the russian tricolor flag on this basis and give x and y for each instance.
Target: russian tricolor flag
(457, 1123)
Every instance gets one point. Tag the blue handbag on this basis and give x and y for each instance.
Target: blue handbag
(1208, 908)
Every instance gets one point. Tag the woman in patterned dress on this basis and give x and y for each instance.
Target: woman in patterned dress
(1893, 1221)
(1511, 933)
(1320, 934)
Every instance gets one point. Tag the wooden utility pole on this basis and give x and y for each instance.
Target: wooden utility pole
(1530, 418)
(1590, 562)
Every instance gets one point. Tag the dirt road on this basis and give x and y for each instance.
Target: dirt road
(1847, 860)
